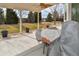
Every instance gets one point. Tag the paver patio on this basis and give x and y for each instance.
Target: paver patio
(14, 46)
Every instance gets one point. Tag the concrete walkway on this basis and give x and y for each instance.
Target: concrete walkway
(16, 45)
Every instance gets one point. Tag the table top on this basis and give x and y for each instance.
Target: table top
(51, 34)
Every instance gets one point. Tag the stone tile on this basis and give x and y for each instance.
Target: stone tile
(14, 46)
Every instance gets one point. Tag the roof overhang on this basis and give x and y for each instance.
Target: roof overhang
(36, 7)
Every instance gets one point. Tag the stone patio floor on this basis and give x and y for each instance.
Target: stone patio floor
(17, 44)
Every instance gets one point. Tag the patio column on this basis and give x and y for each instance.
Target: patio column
(64, 18)
(68, 11)
(38, 20)
(4, 13)
(20, 22)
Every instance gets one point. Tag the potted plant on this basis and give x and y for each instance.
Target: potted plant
(4, 32)
(27, 30)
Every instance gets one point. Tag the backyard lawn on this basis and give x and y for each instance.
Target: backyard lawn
(14, 28)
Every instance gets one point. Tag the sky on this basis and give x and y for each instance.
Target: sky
(60, 10)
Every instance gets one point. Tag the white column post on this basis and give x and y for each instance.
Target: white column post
(4, 19)
(64, 18)
(20, 22)
(5, 13)
(38, 21)
(68, 11)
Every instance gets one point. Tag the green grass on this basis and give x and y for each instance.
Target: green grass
(15, 27)
(31, 26)
(10, 28)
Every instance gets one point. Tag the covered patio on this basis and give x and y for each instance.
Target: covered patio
(26, 43)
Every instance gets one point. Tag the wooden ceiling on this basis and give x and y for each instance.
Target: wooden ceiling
(36, 7)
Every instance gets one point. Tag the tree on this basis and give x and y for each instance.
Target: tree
(30, 17)
(55, 15)
(49, 18)
(33, 17)
(1, 16)
(11, 17)
(36, 16)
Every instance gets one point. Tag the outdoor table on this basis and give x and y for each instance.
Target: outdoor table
(51, 35)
